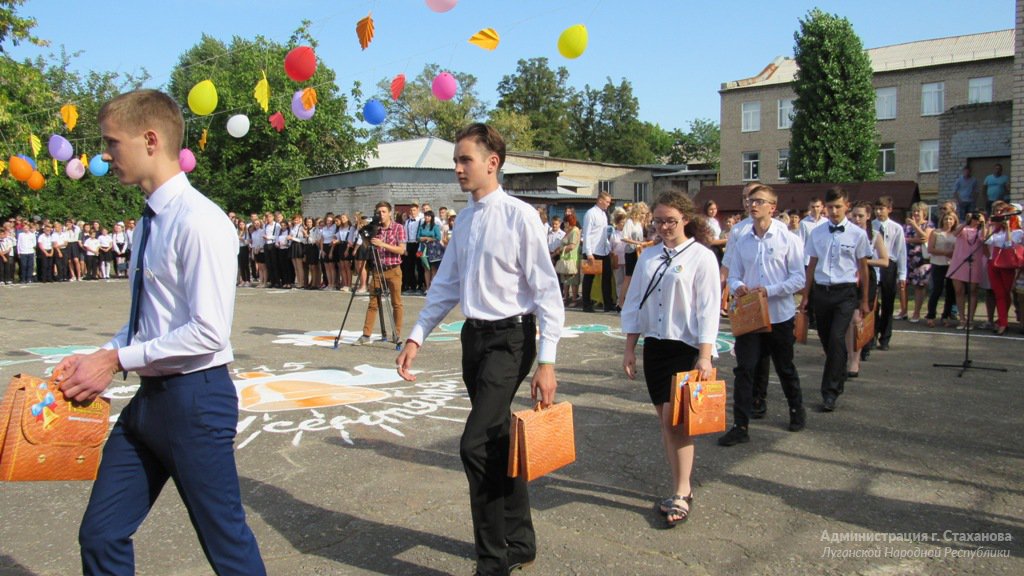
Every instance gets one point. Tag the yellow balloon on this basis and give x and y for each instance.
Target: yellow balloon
(202, 98)
(573, 41)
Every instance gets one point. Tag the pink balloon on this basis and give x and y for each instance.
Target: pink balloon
(186, 160)
(441, 5)
(444, 86)
(75, 169)
(298, 109)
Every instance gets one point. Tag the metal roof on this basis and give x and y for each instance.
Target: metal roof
(935, 52)
(428, 152)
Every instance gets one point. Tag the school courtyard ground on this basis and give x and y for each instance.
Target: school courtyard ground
(345, 469)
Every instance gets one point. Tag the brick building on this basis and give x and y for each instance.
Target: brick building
(916, 84)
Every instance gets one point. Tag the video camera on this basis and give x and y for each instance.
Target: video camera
(371, 229)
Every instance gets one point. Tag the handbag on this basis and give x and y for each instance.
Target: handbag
(1009, 258)
(749, 314)
(45, 437)
(800, 327)
(698, 405)
(592, 268)
(866, 333)
(541, 440)
(566, 267)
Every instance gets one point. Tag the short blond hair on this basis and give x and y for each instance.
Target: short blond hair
(142, 110)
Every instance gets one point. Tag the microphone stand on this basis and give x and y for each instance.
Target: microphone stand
(967, 362)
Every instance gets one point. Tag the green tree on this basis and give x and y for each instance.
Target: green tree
(584, 124)
(16, 28)
(604, 127)
(833, 138)
(700, 145)
(541, 94)
(261, 171)
(515, 128)
(418, 113)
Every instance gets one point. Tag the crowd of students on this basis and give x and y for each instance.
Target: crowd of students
(69, 251)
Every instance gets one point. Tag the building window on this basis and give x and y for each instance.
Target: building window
(979, 90)
(640, 191)
(783, 164)
(929, 156)
(785, 114)
(751, 116)
(885, 103)
(933, 98)
(605, 186)
(887, 158)
(751, 165)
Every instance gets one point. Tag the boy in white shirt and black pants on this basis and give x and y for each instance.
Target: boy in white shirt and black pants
(838, 254)
(894, 276)
(770, 259)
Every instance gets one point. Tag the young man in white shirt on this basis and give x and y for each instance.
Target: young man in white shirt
(26, 245)
(181, 423)
(596, 246)
(767, 258)
(839, 253)
(555, 235)
(507, 288)
(894, 276)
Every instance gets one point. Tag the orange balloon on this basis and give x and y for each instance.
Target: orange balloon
(36, 180)
(19, 168)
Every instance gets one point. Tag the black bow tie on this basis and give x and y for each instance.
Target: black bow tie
(833, 229)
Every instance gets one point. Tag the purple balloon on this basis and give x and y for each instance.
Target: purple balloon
(299, 110)
(60, 148)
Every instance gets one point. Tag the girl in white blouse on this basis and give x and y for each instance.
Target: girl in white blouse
(673, 303)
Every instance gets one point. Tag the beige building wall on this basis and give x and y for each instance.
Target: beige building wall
(906, 131)
(623, 178)
(1017, 159)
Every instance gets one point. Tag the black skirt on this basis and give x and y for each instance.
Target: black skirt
(296, 251)
(663, 359)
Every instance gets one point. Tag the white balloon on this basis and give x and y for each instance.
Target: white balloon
(238, 125)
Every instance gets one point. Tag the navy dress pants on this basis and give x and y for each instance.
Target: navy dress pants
(180, 428)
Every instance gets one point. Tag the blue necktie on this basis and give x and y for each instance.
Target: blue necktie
(133, 317)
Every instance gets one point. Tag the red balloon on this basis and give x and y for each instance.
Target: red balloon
(300, 63)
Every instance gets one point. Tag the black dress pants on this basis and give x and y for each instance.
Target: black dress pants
(496, 357)
(834, 306)
(606, 285)
(750, 357)
(883, 318)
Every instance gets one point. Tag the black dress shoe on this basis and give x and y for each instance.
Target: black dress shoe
(852, 374)
(734, 436)
(829, 405)
(588, 309)
(883, 346)
(797, 419)
(519, 563)
(864, 354)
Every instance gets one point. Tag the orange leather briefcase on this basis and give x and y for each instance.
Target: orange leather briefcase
(541, 441)
(749, 313)
(800, 327)
(591, 268)
(866, 332)
(45, 437)
(698, 405)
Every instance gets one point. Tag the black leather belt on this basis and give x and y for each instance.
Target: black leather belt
(835, 287)
(502, 324)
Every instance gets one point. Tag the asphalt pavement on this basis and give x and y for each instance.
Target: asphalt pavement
(346, 469)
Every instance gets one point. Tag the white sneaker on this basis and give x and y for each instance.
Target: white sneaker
(362, 340)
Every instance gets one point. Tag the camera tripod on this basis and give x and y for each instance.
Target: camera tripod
(382, 293)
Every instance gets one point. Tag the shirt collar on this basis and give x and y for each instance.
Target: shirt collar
(679, 248)
(168, 191)
(488, 200)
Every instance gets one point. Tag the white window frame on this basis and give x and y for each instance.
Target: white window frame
(885, 103)
(933, 98)
(786, 113)
(751, 117)
(751, 166)
(979, 90)
(605, 186)
(886, 151)
(929, 156)
(783, 170)
(640, 190)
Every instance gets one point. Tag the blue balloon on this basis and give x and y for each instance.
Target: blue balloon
(97, 167)
(29, 160)
(374, 112)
